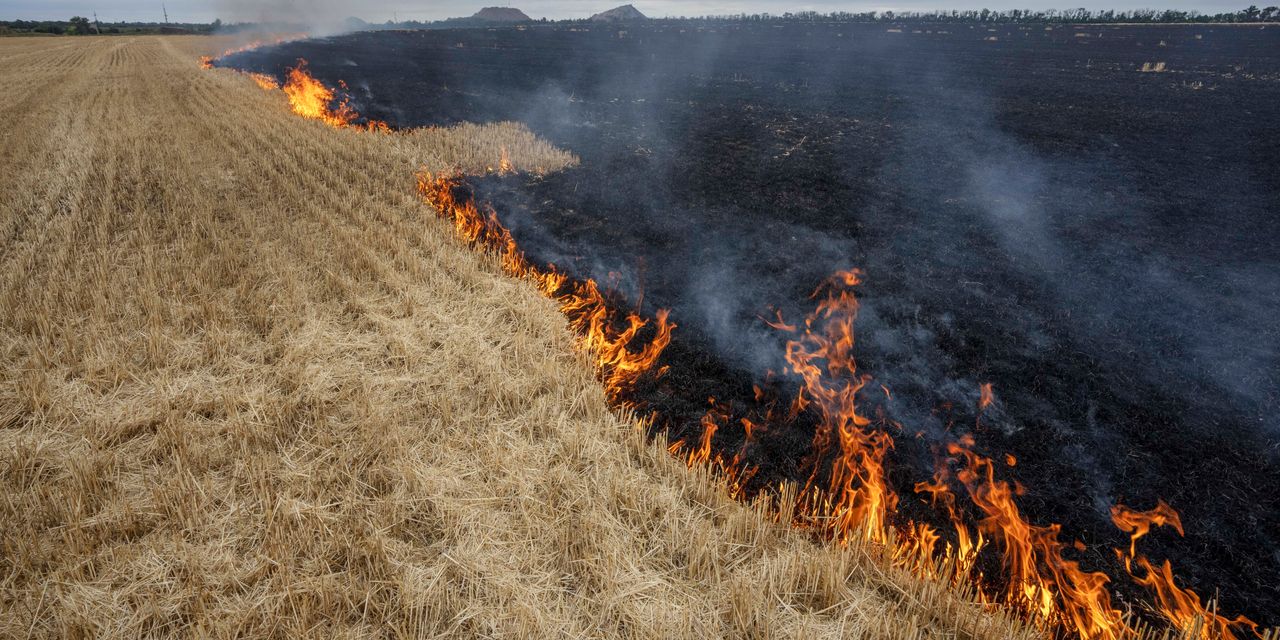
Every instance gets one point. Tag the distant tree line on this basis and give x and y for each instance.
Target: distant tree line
(969, 16)
(82, 26)
(972, 16)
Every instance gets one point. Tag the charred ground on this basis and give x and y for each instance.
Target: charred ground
(1032, 209)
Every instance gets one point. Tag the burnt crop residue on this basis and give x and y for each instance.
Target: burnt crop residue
(1035, 212)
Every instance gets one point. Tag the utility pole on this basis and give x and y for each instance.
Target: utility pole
(166, 13)
(97, 27)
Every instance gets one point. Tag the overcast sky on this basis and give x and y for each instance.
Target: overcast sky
(382, 10)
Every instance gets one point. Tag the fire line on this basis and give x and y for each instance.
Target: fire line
(847, 497)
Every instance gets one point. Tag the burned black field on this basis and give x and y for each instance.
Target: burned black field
(1030, 208)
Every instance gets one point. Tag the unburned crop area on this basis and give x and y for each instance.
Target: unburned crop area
(253, 387)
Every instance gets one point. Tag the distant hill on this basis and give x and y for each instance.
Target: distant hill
(625, 13)
(501, 14)
(353, 23)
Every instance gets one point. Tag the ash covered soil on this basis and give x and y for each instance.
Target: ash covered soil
(1031, 209)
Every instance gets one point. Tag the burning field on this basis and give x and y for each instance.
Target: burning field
(1001, 305)
(889, 334)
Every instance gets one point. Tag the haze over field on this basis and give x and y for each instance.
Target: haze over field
(383, 10)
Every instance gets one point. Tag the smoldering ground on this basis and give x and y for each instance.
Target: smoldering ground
(1029, 213)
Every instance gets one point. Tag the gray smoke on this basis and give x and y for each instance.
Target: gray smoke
(317, 18)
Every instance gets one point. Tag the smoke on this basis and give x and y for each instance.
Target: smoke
(1045, 251)
(317, 18)
(1174, 312)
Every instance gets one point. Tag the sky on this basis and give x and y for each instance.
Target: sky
(382, 10)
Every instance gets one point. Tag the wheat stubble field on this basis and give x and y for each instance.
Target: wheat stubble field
(253, 387)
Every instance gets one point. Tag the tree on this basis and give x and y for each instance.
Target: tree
(79, 26)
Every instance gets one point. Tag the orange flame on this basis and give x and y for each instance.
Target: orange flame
(1041, 581)
(858, 499)
(702, 453)
(266, 82)
(308, 97)
(311, 99)
(969, 544)
(504, 163)
(606, 333)
(857, 502)
(1139, 523)
(1180, 606)
(986, 396)
(254, 44)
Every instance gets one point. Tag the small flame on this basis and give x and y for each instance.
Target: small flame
(622, 356)
(504, 163)
(986, 396)
(255, 44)
(266, 82)
(1139, 523)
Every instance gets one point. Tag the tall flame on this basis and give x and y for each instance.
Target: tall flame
(308, 97)
(860, 500)
(1041, 581)
(856, 503)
